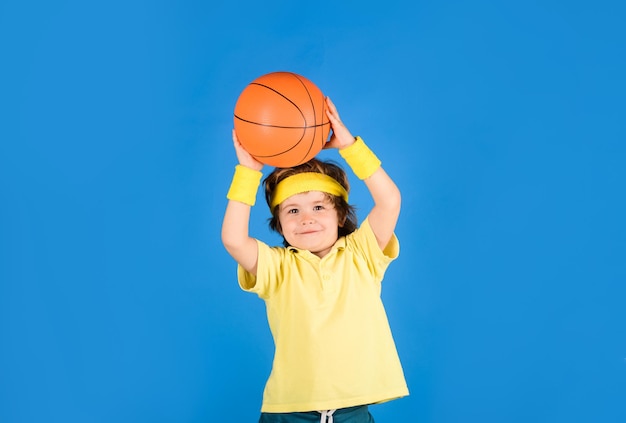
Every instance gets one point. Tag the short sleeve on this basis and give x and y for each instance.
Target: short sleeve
(363, 242)
(269, 269)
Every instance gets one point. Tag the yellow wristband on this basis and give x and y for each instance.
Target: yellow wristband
(360, 158)
(244, 186)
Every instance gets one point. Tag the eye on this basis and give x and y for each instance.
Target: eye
(318, 207)
(292, 211)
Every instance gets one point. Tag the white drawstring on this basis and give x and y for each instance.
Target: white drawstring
(327, 416)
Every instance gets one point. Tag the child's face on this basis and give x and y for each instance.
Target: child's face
(309, 221)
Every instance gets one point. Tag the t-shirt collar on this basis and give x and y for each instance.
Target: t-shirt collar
(340, 244)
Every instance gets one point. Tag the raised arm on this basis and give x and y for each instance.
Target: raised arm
(235, 237)
(387, 200)
(386, 195)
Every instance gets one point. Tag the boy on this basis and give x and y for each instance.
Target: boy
(333, 347)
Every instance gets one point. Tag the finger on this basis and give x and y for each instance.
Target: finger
(330, 103)
(334, 118)
(330, 144)
(331, 107)
(332, 140)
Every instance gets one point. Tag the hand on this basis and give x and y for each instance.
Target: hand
(341, 136)
(245, 159)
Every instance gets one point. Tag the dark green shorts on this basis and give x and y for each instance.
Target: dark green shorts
(358, 414)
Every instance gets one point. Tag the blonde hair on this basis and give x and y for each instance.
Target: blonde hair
(345, 212)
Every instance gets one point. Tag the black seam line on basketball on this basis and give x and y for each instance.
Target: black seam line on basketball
(282, 152)
(278, 126)
(292, 147)
(313, 107)
(314, 114)
(283, 96)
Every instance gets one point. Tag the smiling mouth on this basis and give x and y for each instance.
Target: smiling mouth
(307, 232)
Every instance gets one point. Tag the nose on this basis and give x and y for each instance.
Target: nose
(306, 219)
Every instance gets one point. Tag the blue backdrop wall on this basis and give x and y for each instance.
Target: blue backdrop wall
(503, 123)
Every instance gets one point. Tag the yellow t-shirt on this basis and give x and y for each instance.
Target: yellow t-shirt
(334, 347)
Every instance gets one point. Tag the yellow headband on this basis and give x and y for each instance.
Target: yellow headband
(305, 182)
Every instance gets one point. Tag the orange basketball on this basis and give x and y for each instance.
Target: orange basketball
(280, 119)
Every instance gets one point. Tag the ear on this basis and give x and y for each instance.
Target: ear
(342, 221)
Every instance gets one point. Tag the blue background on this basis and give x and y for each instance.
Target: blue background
(503, 123)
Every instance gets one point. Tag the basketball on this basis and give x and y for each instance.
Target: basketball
(280, 119)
